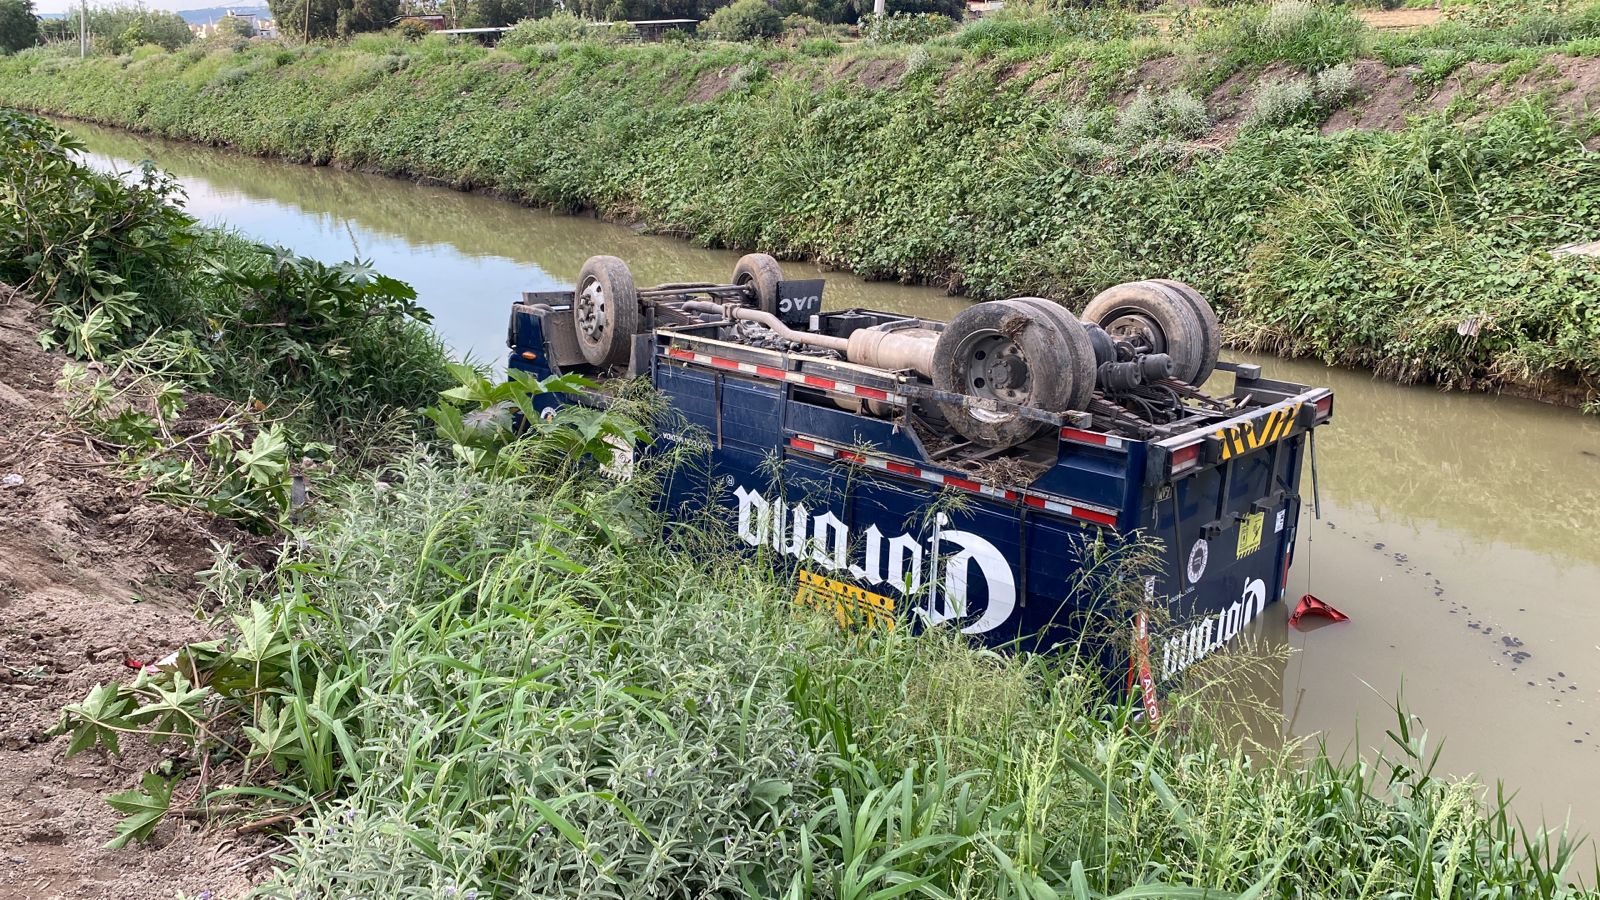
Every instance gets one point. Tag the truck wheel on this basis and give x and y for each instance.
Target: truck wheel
(605, 311)
(1211, 329)
(761, 273)
(1008, 351)
(1077, 337)
(1155, 319)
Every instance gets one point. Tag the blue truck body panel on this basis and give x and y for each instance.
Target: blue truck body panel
(880, 530)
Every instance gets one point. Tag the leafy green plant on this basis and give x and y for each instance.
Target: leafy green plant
(486, 418)
(1307, 34)
(904, 28)
(745, 20)
(556, 28)
(123, 272)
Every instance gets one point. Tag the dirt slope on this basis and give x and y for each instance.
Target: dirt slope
(78, 546)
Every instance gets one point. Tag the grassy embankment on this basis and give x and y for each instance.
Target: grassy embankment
(484, 675)
(1038, 155)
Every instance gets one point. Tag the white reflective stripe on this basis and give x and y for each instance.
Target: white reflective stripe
(1034, 499)
(831, 385)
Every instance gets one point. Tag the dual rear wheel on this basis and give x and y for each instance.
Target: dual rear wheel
(1031, 352)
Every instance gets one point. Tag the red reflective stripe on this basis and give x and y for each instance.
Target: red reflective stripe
(721, 363)
(823, 383)
(851, 457)
(902, 468)
(874, 393)
(962, 483)
(679, 354)
(1011, 495)
(770, 372)
(803, 445)
(1036, 502)
(1094, 516)
(1087, 437)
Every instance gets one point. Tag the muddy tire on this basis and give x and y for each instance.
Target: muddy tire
(1007, 351)
(762, 273)
(605, 311)
(1083, 356)
(1156, 318)
(1211, 329)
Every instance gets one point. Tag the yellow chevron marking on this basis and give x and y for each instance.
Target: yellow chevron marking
(1254, 434)
(850, 605)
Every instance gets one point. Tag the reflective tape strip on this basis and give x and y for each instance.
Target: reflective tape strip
(814, 381)
(1097, 514)
(1079, 436)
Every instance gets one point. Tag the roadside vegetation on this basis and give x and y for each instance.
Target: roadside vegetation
(1397, 218)
(478, 669)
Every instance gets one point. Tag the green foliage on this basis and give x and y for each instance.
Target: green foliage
(1305, 33)
(496, 13)
(1034, 29)
(122, 27)
(332, 18)
(126, 277)
(1021, 181)
(1176, 113)
(904, 28)
(484, 418)
(745, 20)
(142, 809)
(1493, 32)
(19, 27)
(494, 684)
(236, 27)
(556, 28)
(413, 29)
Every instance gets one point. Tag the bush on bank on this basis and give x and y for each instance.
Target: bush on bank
(1419, 252)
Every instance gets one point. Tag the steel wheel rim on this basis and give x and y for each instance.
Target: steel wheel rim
(1135, 327)
(993, 367)
(589, 312)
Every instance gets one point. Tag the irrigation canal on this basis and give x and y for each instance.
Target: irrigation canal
(1459, 532)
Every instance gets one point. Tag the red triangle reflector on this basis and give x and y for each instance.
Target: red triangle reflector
(1311, 606)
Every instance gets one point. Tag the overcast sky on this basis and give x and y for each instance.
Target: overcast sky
(56, 6)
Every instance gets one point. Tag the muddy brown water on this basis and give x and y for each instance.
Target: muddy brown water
(1461, 533)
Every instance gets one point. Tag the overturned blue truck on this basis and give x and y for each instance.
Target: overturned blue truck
(918, 473)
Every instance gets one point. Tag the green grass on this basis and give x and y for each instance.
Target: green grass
(496, 686)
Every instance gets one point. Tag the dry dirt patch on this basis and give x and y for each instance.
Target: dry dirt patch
(92, 575)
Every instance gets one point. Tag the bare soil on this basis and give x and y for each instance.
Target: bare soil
(1400, 19)
(93, 577)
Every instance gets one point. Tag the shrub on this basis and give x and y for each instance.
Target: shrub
(559, 27)
(820, 47)
(905, 28)
(1310, 35)
(1335, 85)
(1030, 28)
(1280, 103)
(413, 29)
(745, 20)
(1177, 113)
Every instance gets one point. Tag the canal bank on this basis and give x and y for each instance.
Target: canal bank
(1415, 246)
(1451, 524)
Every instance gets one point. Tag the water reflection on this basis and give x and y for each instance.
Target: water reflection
(467, 255)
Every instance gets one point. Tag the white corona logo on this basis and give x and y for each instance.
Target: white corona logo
(902, 563)
(1194, 643)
